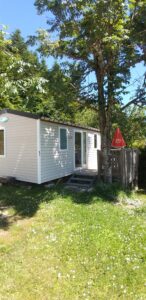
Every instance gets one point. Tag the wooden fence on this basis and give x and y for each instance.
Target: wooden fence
(124, 166)
(142, 169)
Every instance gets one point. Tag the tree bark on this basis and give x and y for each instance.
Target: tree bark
(105, 111)
(105, 126)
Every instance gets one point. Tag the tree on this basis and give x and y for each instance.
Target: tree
(132, 122)
(102, 36)
(21, 82)
(65, 88)
(27, 84)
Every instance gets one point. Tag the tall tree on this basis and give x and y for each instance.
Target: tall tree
(27, 84)
(65, 88)
(102, 35)
(21, 81)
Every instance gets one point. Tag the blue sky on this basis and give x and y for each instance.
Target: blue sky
(23, 15)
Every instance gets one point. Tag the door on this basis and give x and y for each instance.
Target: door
(80, 149)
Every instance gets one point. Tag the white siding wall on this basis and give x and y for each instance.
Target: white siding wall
(22, 145)
(56, 163)
(20, 160)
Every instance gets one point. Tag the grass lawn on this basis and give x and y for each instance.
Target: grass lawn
(60, 245)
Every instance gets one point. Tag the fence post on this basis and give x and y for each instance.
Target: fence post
(133, 169)
(122, 168)
(136, 169)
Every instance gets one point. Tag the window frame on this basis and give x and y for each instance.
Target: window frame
(60, 139)
(95, 134)
(4, 130)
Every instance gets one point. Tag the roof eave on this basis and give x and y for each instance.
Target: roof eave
(46, 119)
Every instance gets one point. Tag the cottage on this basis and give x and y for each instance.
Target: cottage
(36, 149)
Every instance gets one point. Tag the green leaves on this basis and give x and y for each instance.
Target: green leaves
(20, 78)
(105, 36)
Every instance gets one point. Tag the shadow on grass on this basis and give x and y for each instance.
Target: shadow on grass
(25, 200)
(101, 192)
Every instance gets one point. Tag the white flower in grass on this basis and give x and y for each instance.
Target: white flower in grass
(136, 267)
(53, 237)
(72, 271)
(128, 259)
(59, 275)
(90, 282)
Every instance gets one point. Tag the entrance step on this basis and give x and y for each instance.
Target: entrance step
(82, 181)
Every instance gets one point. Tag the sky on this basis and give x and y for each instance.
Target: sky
(22, 14)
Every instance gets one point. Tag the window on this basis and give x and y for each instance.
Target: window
(1, 142)
(95, 141)
(63, 138)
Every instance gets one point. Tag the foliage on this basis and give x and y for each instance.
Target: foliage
(98, 35)
(87, 117)
(27, 84)
(61, 87)
(68, 246)
(132, 123)
(20, 80)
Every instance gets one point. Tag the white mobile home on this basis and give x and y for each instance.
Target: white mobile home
(36, 149)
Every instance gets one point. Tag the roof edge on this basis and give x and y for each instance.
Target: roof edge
(45, 119)
(20, 113)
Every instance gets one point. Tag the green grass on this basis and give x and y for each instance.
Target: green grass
(58, 245)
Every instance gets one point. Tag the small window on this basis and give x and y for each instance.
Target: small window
(63, 138)
(95, 141)
(1, 142)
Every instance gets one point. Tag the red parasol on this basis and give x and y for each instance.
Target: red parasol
(118, 141)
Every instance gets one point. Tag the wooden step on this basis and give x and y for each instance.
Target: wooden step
(78, 185)
(74, 179)
(84, 176)
(81, 181)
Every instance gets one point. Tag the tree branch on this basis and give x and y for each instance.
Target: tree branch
(140, 99)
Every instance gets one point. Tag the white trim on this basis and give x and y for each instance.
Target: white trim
(63, 127)
(4, 129)
(38, 152)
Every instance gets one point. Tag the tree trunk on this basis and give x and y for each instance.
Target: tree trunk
(105, 124)
(105, 148)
